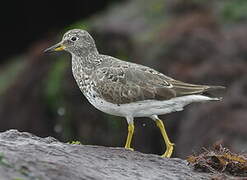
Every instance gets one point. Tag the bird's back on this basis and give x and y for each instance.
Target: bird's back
(123, 82)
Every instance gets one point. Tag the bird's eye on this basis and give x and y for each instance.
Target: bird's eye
(74, 38)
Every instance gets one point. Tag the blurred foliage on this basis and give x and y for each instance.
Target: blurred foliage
(233, 11)
(155, 10)
(53, 84)
(10, 71)
(82, 24)
(113, 122)
(54, 96)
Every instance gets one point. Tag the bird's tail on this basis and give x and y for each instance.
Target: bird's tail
(215, 92)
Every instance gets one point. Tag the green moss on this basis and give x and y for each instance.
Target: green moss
(75, 142)
(4, 162)
(22, 170)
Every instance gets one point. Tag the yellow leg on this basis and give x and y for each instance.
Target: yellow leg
(131, 128)
(169, 145)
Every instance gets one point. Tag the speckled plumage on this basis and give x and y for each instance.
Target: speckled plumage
(126, 89)
(120, 82)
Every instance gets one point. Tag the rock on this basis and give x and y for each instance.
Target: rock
(26, 156)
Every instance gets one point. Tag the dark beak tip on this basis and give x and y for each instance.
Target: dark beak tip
(56, 47)
(48, 50)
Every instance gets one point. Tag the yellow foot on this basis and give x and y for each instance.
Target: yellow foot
(129, 148)
(169, 151)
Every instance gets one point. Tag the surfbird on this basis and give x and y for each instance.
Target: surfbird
(127, 89)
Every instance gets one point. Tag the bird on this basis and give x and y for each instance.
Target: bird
(126, 89)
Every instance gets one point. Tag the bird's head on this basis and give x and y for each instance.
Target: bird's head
(75, 41)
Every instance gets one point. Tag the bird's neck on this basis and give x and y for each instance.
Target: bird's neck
(86, 62)
(85, 51)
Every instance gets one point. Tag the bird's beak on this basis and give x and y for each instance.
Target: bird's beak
(56, 47)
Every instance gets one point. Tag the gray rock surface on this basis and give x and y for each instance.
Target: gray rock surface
(26, 156)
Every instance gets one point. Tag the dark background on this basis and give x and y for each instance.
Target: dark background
(202, 42)
(27, 21)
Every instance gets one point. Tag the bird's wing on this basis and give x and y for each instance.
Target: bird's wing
(125, 84)
(183, 89)
(129, 82)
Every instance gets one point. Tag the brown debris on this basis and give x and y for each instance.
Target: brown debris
(220, 160)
